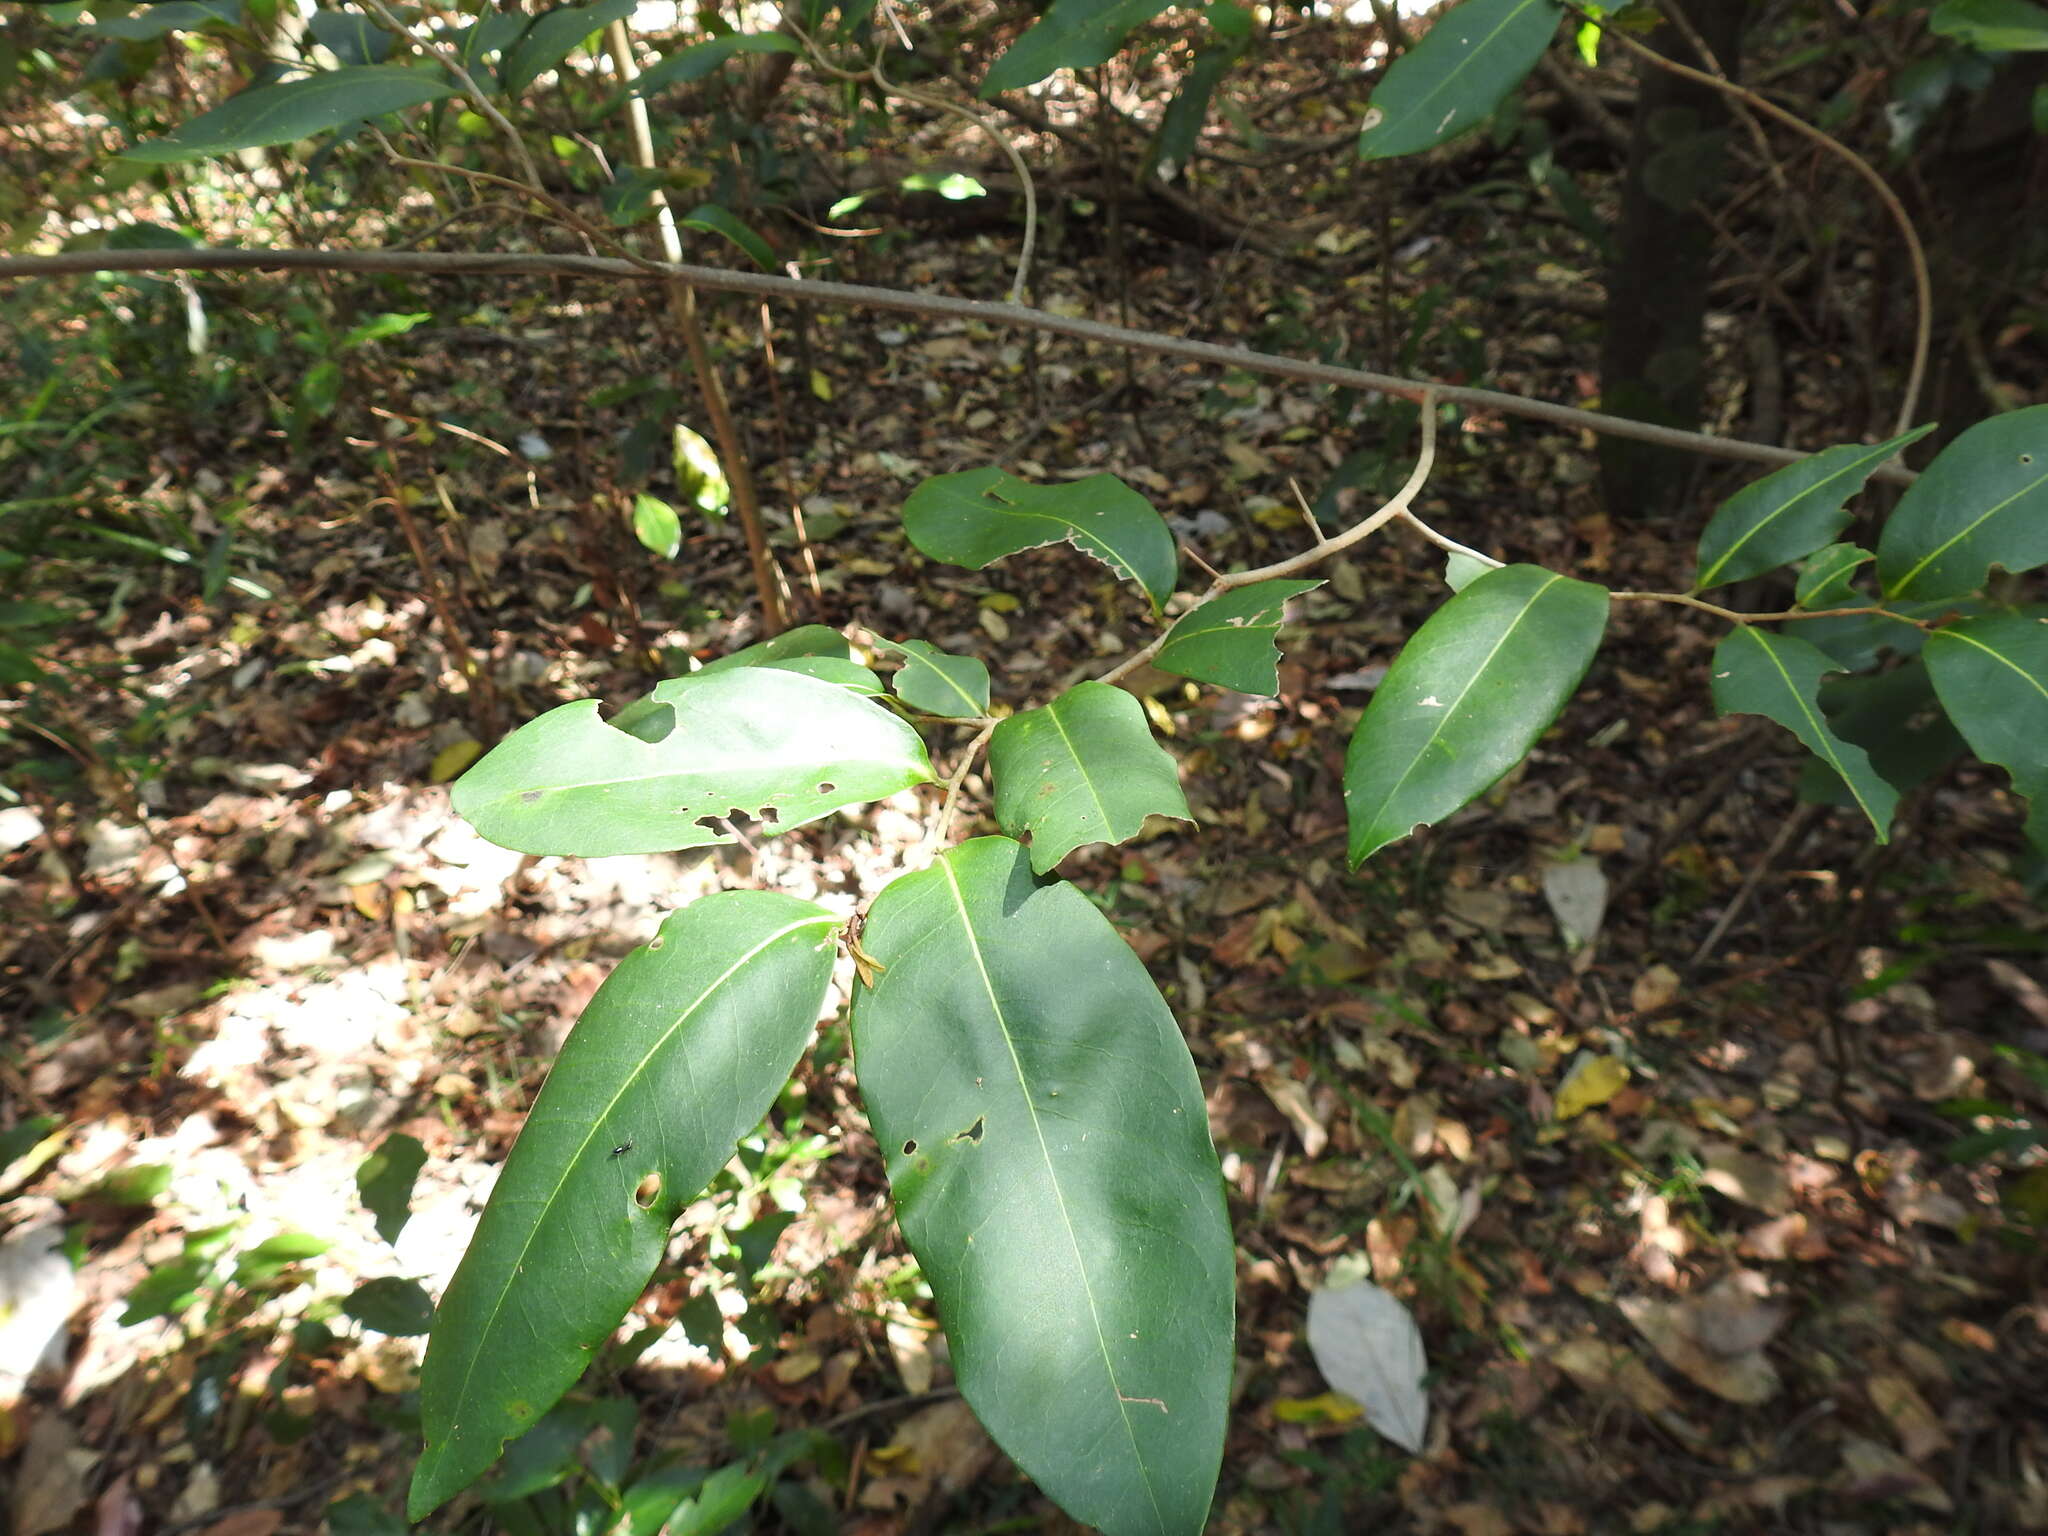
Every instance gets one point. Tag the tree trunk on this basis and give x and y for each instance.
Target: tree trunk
(1652, 362)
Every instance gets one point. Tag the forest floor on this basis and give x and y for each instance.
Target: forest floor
(1685, 1213)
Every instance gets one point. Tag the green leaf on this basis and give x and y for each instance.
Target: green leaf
(656, 526)
(714, 220)
(1180, 125)
(1072, 34)
(980, 515)
(931, 680)
(1467, 698)
(1083, 769)
(175, 16)
(383, 327)
(1453, 79)
(679, 1054)
(351, 37)
(391, 1306)
(700, 59)
(836, 670)
(274, 1255)
(1991, 674)
(1895, 717)
(297, 109)
(385, 1179)
(698, 473)
(1789, 513)
(1229, 639)
(1996, 26)
(804, 640)
(553, 34)
(1758, 672)
(757, 741)
(166, 1290)
(1824, 578)
(1982, 502)
(1050, 1161)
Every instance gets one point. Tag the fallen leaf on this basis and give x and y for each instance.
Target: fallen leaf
(1672, 1330)
(1591, 1082)
(1744, 1176)
(1598, 1366)
(453, 759)
(1655, 990)
(1367, 1346)
(1290, 1096)
(1577, 894)
(1920, 1433)
(49, 1483)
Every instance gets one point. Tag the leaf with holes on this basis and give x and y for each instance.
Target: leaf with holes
(1896, 718)
(955, 687)
(1049, 1157)
(296, 109)
(1982, 502)
(1467, 698)
(1991, 674)
(1758, 672)
(757, 741)
(1453, 79)
(980, 515)
(1229, 639)
(1789, 513)
(1083, 769)
(679, 1054)
(1072, 34)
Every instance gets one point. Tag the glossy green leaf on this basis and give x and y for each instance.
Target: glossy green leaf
(296, 109)
(1453, 79)
(351, 37)
(981, 515)
(1996, 26)
(1895, 717)
(1982, 502)
(385, 1178)
(701, 59)
(391, 1305)
(1992, 676)
(678, 1055)
(1050, 1161)
(1083, 769)
(1789, 513)
(1072, 34)
(1760, 672)
(173, 16)
(1824, 579)
(755, 741)
(804, 640)
(551, 37)
(1180, 125)
(714, 220)
(656, 526)
(833, 669)
(1229, 639)
(938, 683)
(1467, 698)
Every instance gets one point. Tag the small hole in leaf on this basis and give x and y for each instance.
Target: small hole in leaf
(647, 1191)
(2026, 458)
(769, 816)
(827, 788)
(910, 1147)
(655, 942)
(972, 1133)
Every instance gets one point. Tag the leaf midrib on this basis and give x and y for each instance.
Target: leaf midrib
(1052, 1179)
(1934, 554)
(591, 1136)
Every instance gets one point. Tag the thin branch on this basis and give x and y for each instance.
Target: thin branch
(1687, 600)
(1448, 545)
(943, 822)
(901, 301)
(451, 60)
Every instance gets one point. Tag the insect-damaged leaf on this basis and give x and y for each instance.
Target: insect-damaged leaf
(1790, 512)
(1050, 1161)
(1992, 676)
(981, 515)
(937, 682)
(679, 1054)
(1229, 639)
(760, 740)
(1982, 502)
(1759, 672)
(1083, 769)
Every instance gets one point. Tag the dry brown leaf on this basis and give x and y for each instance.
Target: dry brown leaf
(1753, 1180)
(49, 1483)
(1656, 989)
(1670, 1329)
(945, 1445)
(1873, 1471)
(1920, 1433)
(1598, 1366)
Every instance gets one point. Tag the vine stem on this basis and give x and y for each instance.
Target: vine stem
(902, 301)
(1916, 255)
(943, 822)
(1395, 506)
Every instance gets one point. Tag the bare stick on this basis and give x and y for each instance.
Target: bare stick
(900, 301)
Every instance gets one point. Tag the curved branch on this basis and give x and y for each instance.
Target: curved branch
(767, 285)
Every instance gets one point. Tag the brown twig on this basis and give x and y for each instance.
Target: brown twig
(860, 295)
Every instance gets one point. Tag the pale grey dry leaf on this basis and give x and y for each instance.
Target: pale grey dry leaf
(1367, 1347)
(1577, 893)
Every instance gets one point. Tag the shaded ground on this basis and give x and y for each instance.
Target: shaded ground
(1745, 1283)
